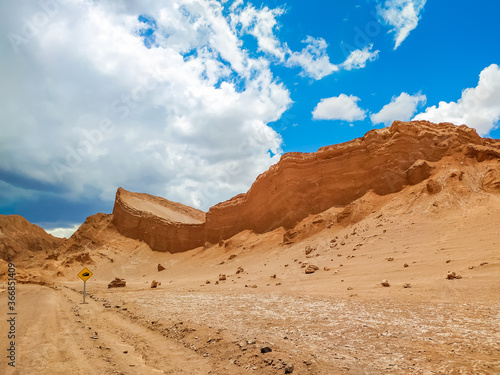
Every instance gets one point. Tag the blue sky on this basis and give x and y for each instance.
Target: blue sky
(192, 100)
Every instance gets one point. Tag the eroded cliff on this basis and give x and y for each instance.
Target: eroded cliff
(384, 161)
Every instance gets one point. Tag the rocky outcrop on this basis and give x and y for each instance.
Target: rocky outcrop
(162, 224)
(19, 238)
(384, 161)
(95, 232)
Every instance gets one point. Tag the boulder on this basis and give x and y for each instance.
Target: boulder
(453, 275)
(311, 268)
(117, 283)
(154, 284)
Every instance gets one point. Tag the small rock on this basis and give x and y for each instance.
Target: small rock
(289, 368)
(117, 283)
(326, 268)
(407, 285)
(240, 270)
(273, 276)
(265, 349)
(311, 268)
(385, 283)
(232, 256)
(448, 261)
(433, 187)
(405, 265)
(222, 277)
(390, 259)
(453, 275)
(154, 284)
(160, 267)
(309, 250)
(207, 282)
(349, 288)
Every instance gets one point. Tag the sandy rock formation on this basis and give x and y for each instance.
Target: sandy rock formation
(95, 232)
(20, 238)
(162, 224)
(384, 161)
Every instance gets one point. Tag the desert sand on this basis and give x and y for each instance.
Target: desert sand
(287, 278)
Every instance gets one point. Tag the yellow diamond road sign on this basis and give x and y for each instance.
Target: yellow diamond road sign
(85, 274)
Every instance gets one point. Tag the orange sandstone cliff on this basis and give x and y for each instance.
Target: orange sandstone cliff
(162, 224)
(384, 161)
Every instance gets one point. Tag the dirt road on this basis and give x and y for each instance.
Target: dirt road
(56, 334)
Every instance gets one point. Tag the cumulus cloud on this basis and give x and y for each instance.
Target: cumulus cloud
(101, 95)
(400, 108)
(402, 16)
(313, 59)
(357, 59)
(261, 24)
(479, 107)
(340, 107)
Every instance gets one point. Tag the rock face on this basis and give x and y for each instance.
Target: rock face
(162, 224)
(384, 161)
(18, 237)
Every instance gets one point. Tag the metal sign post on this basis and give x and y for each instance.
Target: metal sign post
(85, 274)
(84, 290)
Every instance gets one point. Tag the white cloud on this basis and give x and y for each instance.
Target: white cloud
(400, 108)
(479, 107)
(95, 109)
(313, 59)
(358, 58)
(261, 23)
(402, 16)
(63, 232)
(340, 107)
